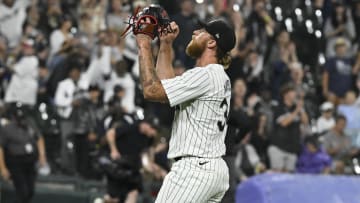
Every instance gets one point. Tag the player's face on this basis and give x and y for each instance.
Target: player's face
(198, 43)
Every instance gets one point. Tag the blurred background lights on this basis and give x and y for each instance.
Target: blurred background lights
(318, 34)
(236, 7)
(289, 25)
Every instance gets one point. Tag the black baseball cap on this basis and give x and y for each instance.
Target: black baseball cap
(222, 32)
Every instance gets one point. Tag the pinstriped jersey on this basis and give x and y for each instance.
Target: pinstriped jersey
(201, 97)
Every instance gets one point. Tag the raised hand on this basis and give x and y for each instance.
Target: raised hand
(170, 35)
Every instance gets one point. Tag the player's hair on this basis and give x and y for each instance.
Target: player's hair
(223, 58)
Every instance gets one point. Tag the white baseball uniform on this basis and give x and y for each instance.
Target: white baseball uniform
(201, 97)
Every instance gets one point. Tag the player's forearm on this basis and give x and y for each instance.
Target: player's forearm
(152, 87)
(147, 70)
(164, 66)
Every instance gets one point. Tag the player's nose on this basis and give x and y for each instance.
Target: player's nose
(196, 32)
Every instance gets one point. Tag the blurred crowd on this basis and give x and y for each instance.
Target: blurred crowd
(295, 77)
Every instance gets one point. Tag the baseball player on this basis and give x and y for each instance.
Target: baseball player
(201, 97)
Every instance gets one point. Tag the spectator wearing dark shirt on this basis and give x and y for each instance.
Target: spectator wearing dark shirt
(285, 140)
(337, 77)
(127, 143)
(239, 125)
(260, 26)
(88, 130)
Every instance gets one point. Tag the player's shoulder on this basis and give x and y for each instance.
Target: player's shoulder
(196, 71)
(215, 67)
(217, 70)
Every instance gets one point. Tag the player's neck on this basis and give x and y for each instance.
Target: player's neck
(205, 59)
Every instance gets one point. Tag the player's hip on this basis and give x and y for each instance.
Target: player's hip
(214, 165)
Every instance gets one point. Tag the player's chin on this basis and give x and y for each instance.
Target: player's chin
(190, 54)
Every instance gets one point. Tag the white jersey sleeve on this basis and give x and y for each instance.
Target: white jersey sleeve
(192, 84)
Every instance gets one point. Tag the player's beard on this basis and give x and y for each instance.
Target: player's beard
(195, 49)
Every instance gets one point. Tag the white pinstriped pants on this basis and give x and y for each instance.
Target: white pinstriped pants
(196, 180)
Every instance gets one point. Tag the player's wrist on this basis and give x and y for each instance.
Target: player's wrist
(143, 40)
(144, 44)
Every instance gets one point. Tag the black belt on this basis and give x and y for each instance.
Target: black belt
(181, 157)
(178, 158)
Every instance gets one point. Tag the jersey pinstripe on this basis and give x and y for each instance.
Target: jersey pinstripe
(201, 97)
(189, 182)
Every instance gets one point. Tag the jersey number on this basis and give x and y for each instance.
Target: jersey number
(221, 124)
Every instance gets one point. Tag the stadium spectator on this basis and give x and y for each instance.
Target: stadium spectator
(280, 72)
(285, 140)
(338, 145)
(59, 36)
(239, 125)
(59, 65)
(120, 76)
(326, 121)
(99, 69)
(23, 85)
(88, 130)
(313, 159)
(69, 92)
(352, 113)
(42, 91)
(117, 16)
(282, 41)
(339, 24)
(97, 9)
(297, 79)
(12, 17)
(84, 34)
(253, 72)
(30, 26)
(115, 108)
(247, 161)
(67, 97)
(337, 77)
(260, 136)
(260, 26)
(50, 17)
(239, 54)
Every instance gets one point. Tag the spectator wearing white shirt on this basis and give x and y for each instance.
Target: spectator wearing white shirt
(69, 92)
(23, 85)
(67, 97)
(326, 121)
(123, 78)
(60, 35)
(117, 17)
(12, 17)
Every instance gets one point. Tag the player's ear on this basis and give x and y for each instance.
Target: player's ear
(211, 44)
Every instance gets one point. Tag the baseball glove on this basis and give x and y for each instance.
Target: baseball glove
(152, 21)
